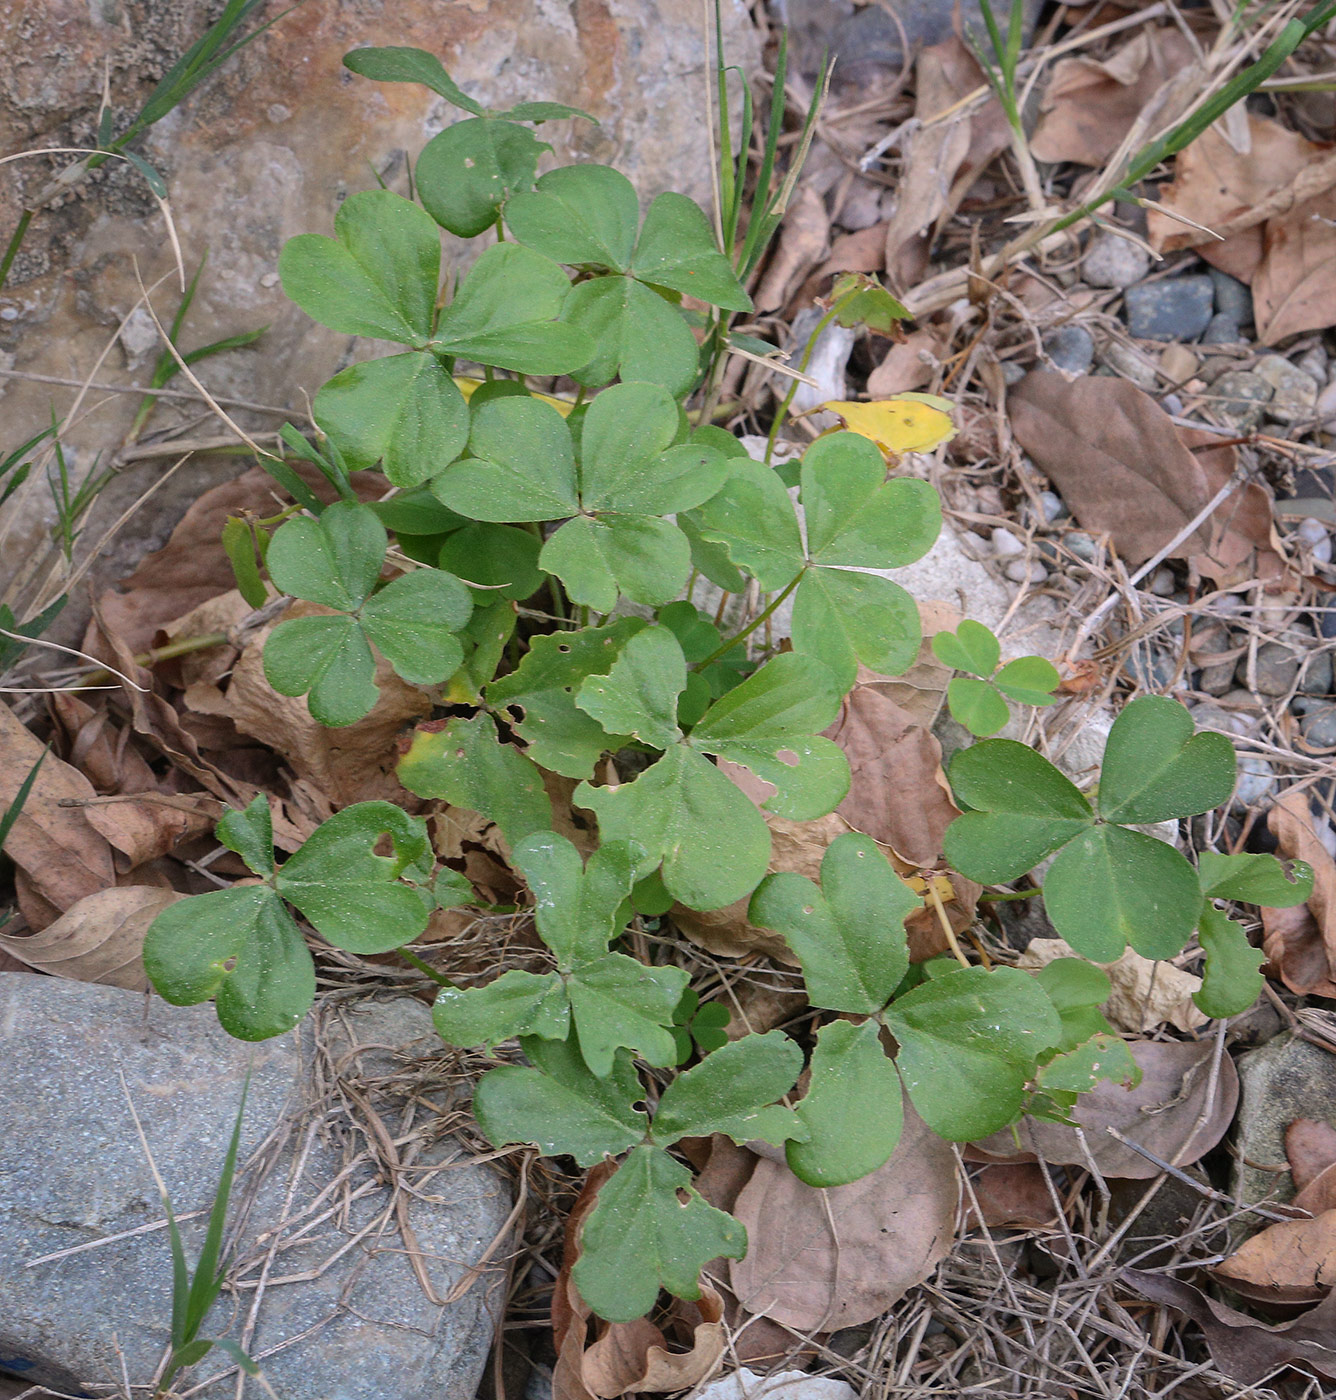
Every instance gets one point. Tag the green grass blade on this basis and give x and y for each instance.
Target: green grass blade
(250, 1367)
(726, 174)
(20, 452)
(763, 201)
(211, 1269)
(15, 808)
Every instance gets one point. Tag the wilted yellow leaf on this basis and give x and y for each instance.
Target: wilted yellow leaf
(905, 423)
(467, 387)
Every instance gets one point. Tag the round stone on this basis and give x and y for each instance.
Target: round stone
(1178, 308)
(1005, 544)
(1277, 669)
(1257, 780)
(1318, 727)
(1071, 348)
(1221, 329)
(1112, 261)
(1240, 398)
(1026, 571)
(1080, 544)
(1293, 390)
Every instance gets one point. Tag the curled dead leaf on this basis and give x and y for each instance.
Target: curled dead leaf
(1292, 1261)
(1300, 943)
(1161, 1114)
(1009, 1195)
(819, 1260)
(1310, 1147)
(98, 939)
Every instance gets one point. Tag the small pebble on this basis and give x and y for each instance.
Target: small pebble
(1326, 407)
(1221, 329)
(1315, 361)
(1112, 261)
(1213, 641)
(1240, 398)
(1177, 363)
(1216, 365)
(1326, 621)
(1172, 405)
(1131, 364)
(1294, 391)
(1080, 544)
(1277, 669)
(1316, 539)
(1232, 297)
(1205, 715)
(1150, 668)
(1178, 308)
(1021, 571)
(1162, 582)
(1005, 544)
(1071, 348)
(1012, 373)
(1318, 727)
(1053, 506)
(1317, 674)
(1306, 704)
(862, 205)
(1256, 780)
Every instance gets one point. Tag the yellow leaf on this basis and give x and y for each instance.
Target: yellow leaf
(467, 387)
(905, 423)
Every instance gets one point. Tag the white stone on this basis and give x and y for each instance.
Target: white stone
(1114, 261)
(1026, 571)
(1005, 544)
(782, 1385)
(1316, 539)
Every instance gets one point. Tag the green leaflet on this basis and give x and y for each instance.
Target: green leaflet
(1255, 879)
(639, 695)
(977, 705)
(976, 700)
(733, 1091)
(466, 764)
(853, 1108)
(638, 335)
(849, 933)
(1231, 980)
(466, 173)
(969, 1041)
(405, 65)
(1156, 768)
(971, 648)
(242, 947)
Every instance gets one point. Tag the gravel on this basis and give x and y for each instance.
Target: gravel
(1071, 348)
(1240, 398)
(1112, 261)
(1318, 727)
(1232, 297)
(1178, 308)
(1294, 391)
(1221, 329)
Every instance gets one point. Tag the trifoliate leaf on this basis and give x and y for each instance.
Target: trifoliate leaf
(977, 705)
(841, 618)
(620, 1003)
(250, 833)
(467, 765)
(501, 558)
(733, 1091)
(516, 1003)
(1028, 680)
(1110, 887)
(1077, 989)
(650, 1229)
(752, 516)
(712, 841)
(848, 933)
(1231, 981)
(853, 1109)
(561, 1107)
(413, 621)
(581, 215)
(334, 561)
(641, 556)
(1156, 768)
(968, 1042)
(376, 277)
(1255, 879)
(860, 300)
(576, 905)
(971, 648)
(639, 695)
(696, 634)
(635, 332)
(677, 249)
(328, 660)
(1025, 809)
(468, 171)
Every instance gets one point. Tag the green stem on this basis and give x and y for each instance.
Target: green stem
(1009, 894)
(431, 972)
(751, 627)
(16, 240)
(782, 412)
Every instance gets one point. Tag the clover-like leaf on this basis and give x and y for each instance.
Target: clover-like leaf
(334, 561)
(969, 1041)
(841, 617)
(636, 333)
(712, 841)
(376, 277)
(1110, 887)
(977, 705)
(516, 1003)
(639, 695)
(351, 895)
(849, 933)
(752, 516)
(466, 173)
(1254, 878)
(239, 946)
(1155, 767)
(505, 313)
(771, 723)
(413, 620)
(466, 764)
(1077, 989)
(559, 735)
(1029, 680)
(733, 1091)
(328, 660)
(1231, 978)
(677, 249)
(581, 215)
(598, 557)
(503, 559)
(619, 1003)
(1025, 809)
(404, 412)
(407, 65)
(1104, 1056)
(971, 648)
(853, 1109)
(249, 831)
(649, 1229)
(559, 1106)
(859, 300)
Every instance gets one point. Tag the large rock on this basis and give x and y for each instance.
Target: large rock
(73, 1177)
(267, 149)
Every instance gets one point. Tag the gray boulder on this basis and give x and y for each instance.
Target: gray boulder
(85, 1267)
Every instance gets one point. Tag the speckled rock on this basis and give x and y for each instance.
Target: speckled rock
(1178, 308)
(1114, 262)
(1318, 727)
(1232, 297)
(1130, 363)
(1071, 348)
(265, 150)
(1294, 391)
(1240, 397)
(1221, 329)
(74, 1174)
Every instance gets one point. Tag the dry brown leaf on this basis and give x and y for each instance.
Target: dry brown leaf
(1320, 1193)
(1300, 943)
(1090, 105)
(1294, 288)
(861, 251)
(1144, 996)
(1124, 470)
(98, 939)
(1231, 192)
(942, 159)
(1245, 1350)
(351, 764)
(60, 855)
(1310, 1147)
(905, 366)
(890, 1230)
(921, 690)
(1293, 1261)
(1010, 1195)
(898, 793)
(98, 747)
(803, 244)
(1160, 1115)
(626, 1356)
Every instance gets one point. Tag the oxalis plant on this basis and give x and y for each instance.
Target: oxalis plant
(532, 563)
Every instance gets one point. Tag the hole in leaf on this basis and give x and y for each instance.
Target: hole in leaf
(787, 756)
